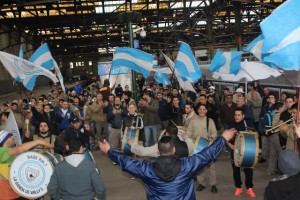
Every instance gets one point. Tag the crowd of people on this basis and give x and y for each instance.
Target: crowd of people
(82, 118)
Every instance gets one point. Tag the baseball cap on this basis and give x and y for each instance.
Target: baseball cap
(4, 135)
(74, 119)
(212, 87)
(240, 90)
(289, 162)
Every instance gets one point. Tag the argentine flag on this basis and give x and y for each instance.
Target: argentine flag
(161, 77)
(287, 58)
(186, 63)
(134, 59)
(42, 57)
(255, 47)
(226, 62)
(23, 70)
(21, 52)
(282, 27)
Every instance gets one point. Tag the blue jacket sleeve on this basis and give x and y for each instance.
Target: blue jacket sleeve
(198, 161)
(137, 168)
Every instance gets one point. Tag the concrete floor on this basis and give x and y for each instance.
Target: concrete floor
(119, 186)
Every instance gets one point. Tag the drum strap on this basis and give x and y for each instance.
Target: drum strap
(2, 178)
(207, 123)
(245, 124)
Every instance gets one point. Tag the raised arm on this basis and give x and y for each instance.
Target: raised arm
(27, 146)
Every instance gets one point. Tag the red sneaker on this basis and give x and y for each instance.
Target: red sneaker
(251, 192)
(238, 191)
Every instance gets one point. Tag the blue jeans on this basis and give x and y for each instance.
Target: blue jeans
(151, 130)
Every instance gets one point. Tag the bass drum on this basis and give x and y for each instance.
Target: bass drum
(246, 149)
(30, 173)
(133, 135)
(199, 144)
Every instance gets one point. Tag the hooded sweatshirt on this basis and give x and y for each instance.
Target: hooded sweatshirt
(285, 187)
(76, 178)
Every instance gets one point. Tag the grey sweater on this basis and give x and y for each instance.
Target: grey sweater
(76, 181)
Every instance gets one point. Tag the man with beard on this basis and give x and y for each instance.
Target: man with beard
(43, 134)
(115, 117)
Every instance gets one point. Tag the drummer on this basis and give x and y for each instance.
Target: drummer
(240, 124)
(182, 148)
(188, 116)
(43, 134)
(8, 151)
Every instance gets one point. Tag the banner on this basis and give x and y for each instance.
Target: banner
(104, 68)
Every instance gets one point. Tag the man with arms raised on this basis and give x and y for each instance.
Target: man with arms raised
(169, 177)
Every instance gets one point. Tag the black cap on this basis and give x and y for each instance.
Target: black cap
(74, 119)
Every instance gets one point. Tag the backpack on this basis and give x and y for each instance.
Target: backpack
(265, 122)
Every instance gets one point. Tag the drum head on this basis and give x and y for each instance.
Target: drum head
(238, 150)
(30, 174)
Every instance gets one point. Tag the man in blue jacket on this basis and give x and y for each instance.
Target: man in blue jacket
(169, 177)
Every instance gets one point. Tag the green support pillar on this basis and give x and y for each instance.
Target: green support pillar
(133, 73)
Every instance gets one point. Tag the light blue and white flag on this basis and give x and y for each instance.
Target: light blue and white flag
(12, 127)
(226, 62)
(282, 27)
(42, 57)
(22, 70)
(186, 63)
(287, 58)
(255, 47)
(21, 52)
(161, 77)
(134, 59)
(185, 85)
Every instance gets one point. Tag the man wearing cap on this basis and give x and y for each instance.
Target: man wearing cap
(74, 132)
(286, 186)
(212, 92)
(8, 151)
(238, 93)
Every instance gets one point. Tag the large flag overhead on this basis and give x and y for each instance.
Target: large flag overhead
(282, 27)
(134, 59)
(161, 77)
(23, 70)
(287, 58)
(226, 62)
(185, 85)
(186, 63)
(251, 71)
(43, 57)
(12, 127)
(255, 47)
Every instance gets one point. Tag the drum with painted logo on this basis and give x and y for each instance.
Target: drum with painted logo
(133, 134)
(199, 144)
(246, 149)
(30, 173)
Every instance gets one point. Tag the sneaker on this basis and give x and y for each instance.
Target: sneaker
(238, 191)
(114, 163)
(251, 192)
(214, 189)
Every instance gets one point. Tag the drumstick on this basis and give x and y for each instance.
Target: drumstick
(27, 124)
(173, 122)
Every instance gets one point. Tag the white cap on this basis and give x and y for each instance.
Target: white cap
(212, 87)
(240, 90)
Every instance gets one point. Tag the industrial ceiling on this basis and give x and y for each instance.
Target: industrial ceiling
(90, 27)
